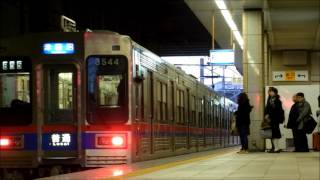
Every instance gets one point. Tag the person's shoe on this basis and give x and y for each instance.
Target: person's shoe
(243, 152)
(277, 151)
(271, 151)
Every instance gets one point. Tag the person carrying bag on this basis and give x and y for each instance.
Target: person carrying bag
(304, 122)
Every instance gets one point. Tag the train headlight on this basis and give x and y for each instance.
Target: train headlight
(11, 142)
(4, 142)
(111, 140)
(117, 140)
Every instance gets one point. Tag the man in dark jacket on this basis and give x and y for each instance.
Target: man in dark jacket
(304, 111)
(292, 120)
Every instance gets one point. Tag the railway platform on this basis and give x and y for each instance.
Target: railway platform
(222, 164)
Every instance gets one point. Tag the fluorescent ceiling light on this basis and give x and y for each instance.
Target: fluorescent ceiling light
(221, 5)
(227, 16)
(238, 37)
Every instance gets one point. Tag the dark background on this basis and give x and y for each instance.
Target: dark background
(166, 27)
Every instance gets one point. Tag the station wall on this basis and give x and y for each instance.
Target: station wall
(294, 61)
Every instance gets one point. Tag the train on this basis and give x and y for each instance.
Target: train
(98, 98)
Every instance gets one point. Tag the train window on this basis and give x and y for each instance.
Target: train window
(14, 87)
(162, 108)
(193, 110)
(107, 89)
(65, 90)
(200, 113)
(59, 89)
(15, 95)
(180, 107)
(15, 106)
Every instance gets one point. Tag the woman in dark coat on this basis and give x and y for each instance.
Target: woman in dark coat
(275, 113)
(243, 120)
(292, 120)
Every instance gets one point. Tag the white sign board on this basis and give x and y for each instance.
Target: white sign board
(222, 56)
(302, 76)
(278, 75)
(290, 75)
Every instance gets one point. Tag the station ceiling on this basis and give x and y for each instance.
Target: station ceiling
(167, 27)
(290, 24)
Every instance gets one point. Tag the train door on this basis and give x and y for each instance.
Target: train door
(59, 130)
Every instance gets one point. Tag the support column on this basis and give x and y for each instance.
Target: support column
(253, 72)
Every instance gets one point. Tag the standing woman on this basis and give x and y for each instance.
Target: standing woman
(243, 120)
(275, 113)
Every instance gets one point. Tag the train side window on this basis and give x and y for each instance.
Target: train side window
(193, 110)
(200, 113)
(180, 107)
(162, 102)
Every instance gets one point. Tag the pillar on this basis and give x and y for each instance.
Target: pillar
(253, 72)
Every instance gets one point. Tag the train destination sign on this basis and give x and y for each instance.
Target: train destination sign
(14, 64)
(58, 48)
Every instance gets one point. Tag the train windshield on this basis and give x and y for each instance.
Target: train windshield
(15, 101)
(107, 89)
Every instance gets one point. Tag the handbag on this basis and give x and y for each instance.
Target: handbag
(266, 133)
(266, 122)
(234, 129)
(309, 124)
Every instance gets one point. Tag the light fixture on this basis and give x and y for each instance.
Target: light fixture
(229, 20)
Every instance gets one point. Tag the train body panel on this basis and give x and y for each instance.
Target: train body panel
(99, 98)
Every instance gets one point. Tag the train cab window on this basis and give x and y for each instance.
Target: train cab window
(107, 89)
(15, 95)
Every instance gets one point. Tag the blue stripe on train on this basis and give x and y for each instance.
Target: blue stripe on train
(30, 141)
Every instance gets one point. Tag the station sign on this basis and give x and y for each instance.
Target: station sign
(222, 57)
(298, 75)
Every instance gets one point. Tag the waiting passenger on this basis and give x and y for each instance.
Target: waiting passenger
(304, 112)
(292, 120)
(276, 114)
(243, 120)
(318, 113)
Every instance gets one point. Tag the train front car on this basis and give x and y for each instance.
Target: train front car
(17, 129)
(40, 100)
(107, 134)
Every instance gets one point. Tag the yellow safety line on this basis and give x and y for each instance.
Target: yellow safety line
(170, 165)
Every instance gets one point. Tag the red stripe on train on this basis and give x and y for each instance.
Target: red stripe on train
(19, 129)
